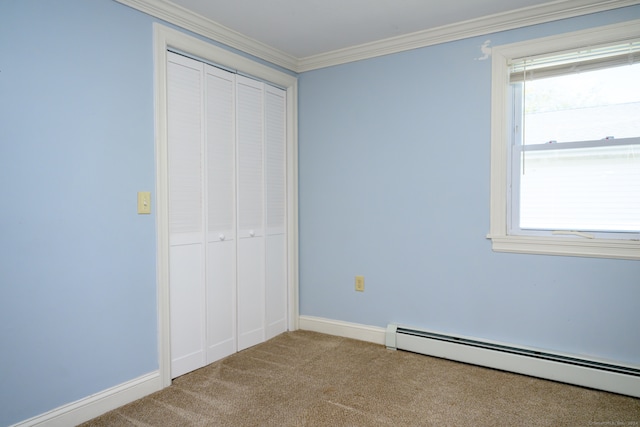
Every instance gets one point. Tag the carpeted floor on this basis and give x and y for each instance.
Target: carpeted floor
(304, 378)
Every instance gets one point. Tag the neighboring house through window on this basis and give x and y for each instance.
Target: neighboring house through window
(566, 144)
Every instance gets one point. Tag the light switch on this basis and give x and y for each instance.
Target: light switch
(144, 202)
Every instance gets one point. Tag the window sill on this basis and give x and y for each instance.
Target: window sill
(567, 246)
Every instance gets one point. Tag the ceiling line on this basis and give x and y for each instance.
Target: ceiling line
(476, 27)
(188, 20)
(555, 10)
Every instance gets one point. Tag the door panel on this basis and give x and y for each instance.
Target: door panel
(276, 285)
(221, 300)
(251, 295)
(276, 196)
(187, 309)
(186, 231)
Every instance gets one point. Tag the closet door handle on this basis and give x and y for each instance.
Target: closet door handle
(252, 233)
(221, 237)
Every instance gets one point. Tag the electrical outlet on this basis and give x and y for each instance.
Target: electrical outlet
(360, 283)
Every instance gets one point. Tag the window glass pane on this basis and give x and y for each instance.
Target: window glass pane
(583, 106)
(595, 189)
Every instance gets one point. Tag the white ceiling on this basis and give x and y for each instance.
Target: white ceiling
(304, 35)
(304, 28)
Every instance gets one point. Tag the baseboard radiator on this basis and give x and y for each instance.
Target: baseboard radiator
(602, 375)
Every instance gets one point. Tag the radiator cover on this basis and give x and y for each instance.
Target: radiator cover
(571, 369)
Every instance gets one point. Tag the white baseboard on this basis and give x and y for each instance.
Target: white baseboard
(97, 404)
(586, 371)
(564, 372)
(342, 329)
(602, 380)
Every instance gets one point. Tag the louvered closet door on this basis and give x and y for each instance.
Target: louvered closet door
(251, 243)
(227, 213)
(186, 221)
(221, 224)
(276, 220)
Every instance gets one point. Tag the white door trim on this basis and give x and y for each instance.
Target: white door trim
(165, 38)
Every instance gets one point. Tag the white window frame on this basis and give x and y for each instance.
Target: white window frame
(570, 245)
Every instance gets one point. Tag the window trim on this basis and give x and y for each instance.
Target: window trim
(564, 245)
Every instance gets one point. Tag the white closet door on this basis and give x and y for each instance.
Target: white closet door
(186, 233)
(276, 242)
(227, 212)
(220, 194)
(251, 244)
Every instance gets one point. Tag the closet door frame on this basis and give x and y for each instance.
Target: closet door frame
(166, 38)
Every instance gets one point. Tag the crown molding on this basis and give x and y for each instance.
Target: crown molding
(560, 9)
(552, 11)
(184, 18)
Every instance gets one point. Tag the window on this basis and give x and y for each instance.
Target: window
(565, 151)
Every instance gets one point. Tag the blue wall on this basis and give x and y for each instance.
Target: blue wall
(78, 307)
(394, 185)
(77, 264)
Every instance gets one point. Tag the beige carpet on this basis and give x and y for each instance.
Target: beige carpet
(309, 379)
